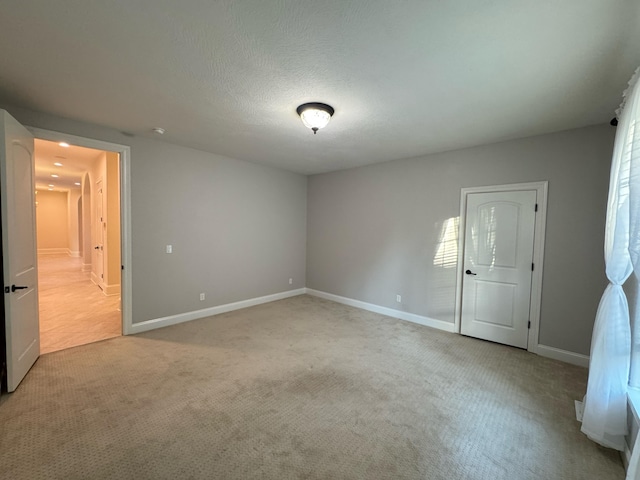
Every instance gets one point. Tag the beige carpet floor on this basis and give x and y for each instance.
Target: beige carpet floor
(301, 388)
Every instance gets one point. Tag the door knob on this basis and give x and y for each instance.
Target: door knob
(17, 287)
(97, 247)
(469, 272)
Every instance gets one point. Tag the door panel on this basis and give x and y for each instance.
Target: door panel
(498, 252)
(494, 303)
(498, 223)
(20, 267)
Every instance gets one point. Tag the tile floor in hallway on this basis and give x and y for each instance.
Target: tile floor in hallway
(73, 310)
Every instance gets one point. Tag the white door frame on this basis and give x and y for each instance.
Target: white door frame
(538, 252)
(125, 208)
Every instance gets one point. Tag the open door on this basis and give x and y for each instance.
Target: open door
(20, 267)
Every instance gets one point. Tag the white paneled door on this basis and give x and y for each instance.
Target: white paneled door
(498, 255)
(20, 267)
(100, 234)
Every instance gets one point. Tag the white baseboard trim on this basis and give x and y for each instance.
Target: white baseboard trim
(111, 289)
(86, 267)
(208, 312)
(390, 312)
(563, 355)
(74, 254)
(53, 251)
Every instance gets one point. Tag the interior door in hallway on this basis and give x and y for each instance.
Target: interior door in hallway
(20, 267)
(100, 234)
(498, 253)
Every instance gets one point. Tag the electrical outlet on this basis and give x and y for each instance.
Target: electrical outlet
(169, 248)
(291, 281)
(399, 298)
(201, 297)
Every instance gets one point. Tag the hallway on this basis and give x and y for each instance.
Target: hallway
(73, 310)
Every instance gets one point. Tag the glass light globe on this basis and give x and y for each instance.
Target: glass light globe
(315, 115)
(314, 118)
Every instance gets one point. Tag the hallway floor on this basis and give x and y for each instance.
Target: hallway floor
(73, 310)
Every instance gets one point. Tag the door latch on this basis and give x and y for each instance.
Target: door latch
(17, 287)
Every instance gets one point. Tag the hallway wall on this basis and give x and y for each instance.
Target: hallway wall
(52, 216)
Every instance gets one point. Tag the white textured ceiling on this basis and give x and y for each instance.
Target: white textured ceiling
(406, 77)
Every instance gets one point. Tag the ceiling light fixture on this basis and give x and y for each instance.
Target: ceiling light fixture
(159, 130)
(315, 115)
(54, 175)
(64, 144)
(77, 183)
(51, 185)
(58, 164)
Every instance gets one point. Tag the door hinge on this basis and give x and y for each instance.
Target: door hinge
(532, 267)
(7, 289)
(536, 209)
(121, 267)
(529, 324)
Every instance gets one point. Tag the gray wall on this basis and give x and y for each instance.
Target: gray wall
(238, 229)
(373, 232)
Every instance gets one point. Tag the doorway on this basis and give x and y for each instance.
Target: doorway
(500, 262)
(19, 245)
(79, 292)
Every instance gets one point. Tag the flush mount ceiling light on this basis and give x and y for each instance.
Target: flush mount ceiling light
(315, 115)
(64, 144)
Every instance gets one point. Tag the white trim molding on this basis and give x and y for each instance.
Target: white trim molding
(541, 189)
(125, 207)
(563, 355)
(633, 400)
(390, 312)
(111, 289)
(53, 251)
(208, 312)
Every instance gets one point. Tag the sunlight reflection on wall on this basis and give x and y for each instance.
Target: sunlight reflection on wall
(443, 278)
(447, 247)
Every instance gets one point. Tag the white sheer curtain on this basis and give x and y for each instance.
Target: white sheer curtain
(633, 147)
(605, 404)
